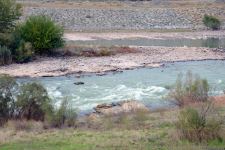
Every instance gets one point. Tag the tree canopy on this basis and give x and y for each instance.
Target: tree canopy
(10, 11)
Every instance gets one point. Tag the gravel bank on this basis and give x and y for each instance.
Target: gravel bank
(81, 19)
(147, 56)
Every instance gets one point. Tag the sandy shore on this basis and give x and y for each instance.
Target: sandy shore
(76, 36)
(147, 56)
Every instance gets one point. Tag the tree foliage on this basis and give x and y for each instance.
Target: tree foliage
(200, 124)
(10, 11)
(189, 89)
(211, 22)
(33, 102)
(42, 33)
(8, 88)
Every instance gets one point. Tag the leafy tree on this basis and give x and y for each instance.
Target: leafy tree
(42, 33)
(8, 88)
(33, 102)
(10, 11)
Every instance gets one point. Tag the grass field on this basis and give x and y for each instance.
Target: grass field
(150, 131)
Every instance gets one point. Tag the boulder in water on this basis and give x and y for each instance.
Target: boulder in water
(79, 83)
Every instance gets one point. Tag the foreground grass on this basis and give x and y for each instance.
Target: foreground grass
(156, 131)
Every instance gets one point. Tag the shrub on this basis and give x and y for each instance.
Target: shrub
(33, 102)
(199, 125)
(42, 33)
(24, 125)
(5, 56)
(189, 90)
(65, 115)
(24, 53)
(10, 11)
(5, 39)
(8, 88)
(211, 22)
(104, 52)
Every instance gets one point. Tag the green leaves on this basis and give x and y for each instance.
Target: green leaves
(5, 56)
(10, 11)
(211, 22)
(42, 33)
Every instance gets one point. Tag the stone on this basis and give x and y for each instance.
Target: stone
(120, 107)
(79, 83)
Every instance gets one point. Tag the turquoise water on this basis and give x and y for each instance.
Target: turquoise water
(209, 42)
(144, 84)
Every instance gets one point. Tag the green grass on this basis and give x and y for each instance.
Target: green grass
(156, 132)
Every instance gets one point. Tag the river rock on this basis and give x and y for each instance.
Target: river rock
(120, 107)
(79, 83)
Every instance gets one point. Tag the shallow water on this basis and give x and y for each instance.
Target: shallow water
(144, 84)
(209, 42)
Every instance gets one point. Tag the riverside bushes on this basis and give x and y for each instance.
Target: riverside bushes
(5, 55)
(65, 115)
(8, 88)
(20, 43)
(31, 101)
(190, 89)
(199, 124)
(42, 33)
(10, 11)
(211, 22)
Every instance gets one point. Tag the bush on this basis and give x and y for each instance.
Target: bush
(8, 88)
(9, 13)
(24, 53)
(5, 56)
(64, 116)
(33, 102)
(211, 22)
(24, 125)
(104, 52)
(42, 33)
(199, 125)
(189, 90)
(5, 39)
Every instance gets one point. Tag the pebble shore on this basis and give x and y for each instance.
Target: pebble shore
(146, 57)
(95, 19)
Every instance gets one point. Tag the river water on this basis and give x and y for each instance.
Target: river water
(144, 84)
(207, 42)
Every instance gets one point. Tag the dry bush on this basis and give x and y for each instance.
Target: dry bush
(133, 120)
(126, 49)
(24, 125)
(200, 124)
(141, 115)
(191, 89)
(104, 52)
(71, 50)
(64, 116)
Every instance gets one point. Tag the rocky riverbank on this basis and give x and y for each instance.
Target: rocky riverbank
(144, 57)
(127, 15)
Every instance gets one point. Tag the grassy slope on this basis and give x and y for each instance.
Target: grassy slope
(152, 131)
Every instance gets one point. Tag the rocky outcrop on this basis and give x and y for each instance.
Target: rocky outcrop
(120, 107)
